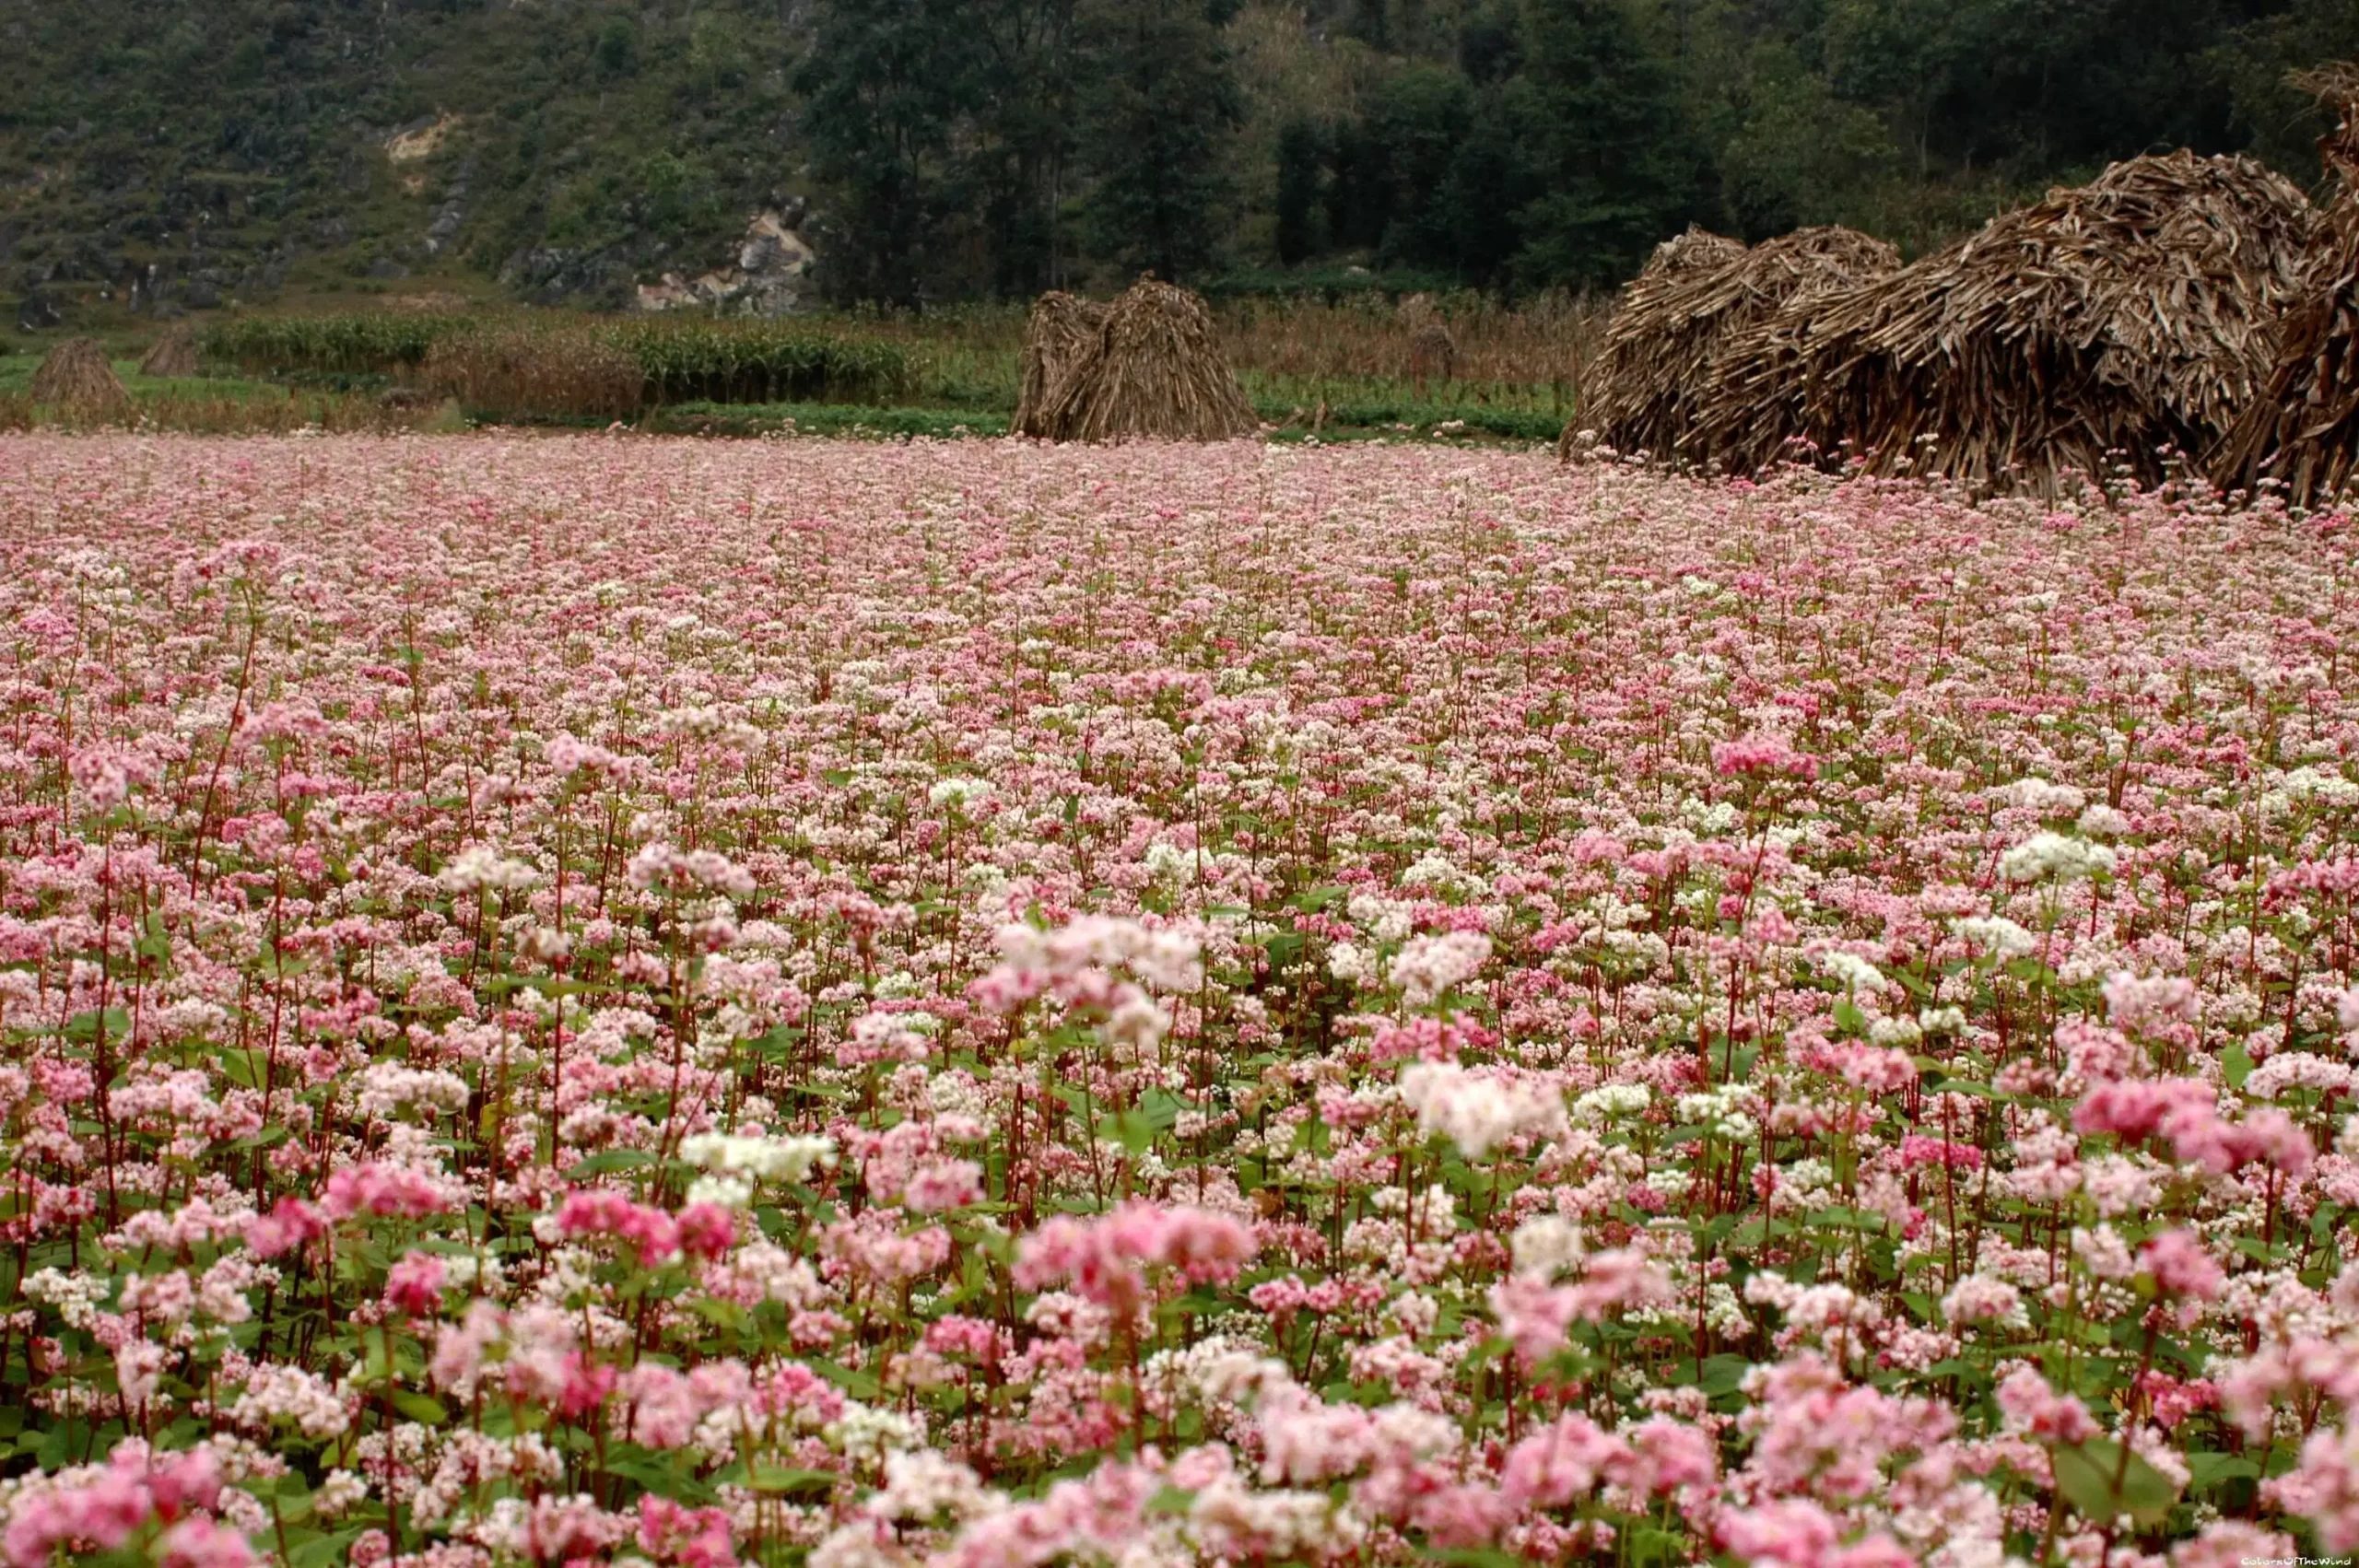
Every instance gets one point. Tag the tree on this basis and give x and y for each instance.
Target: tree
(1158, 105)
(887, 84)
(1023, 138)
(1619, 169)
(1800, 155)
(1301, 150)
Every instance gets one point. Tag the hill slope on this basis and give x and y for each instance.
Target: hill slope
(187, 151)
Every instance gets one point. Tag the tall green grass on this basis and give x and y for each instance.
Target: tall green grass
(678, 359)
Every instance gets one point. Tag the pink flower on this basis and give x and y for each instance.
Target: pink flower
(2181, 1266)
(652, 1235)
(587, 1385)
(707, 1229)
(2038, 1411)
(202, 1543)
(292, 1223)
(387, 1191)
(413, 1285)
(1102, 1256)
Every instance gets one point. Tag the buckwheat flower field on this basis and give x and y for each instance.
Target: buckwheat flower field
(602, 1001)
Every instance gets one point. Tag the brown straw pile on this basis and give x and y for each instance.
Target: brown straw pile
(76, 376)
(2301, 434)
(1055, 334)
(1699, 297)
(2086, 333)
(173, 354)
(1433, 353)
(1154, 371)
(1634, 399)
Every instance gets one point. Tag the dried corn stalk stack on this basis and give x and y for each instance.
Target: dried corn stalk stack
(1154, 370)
(1060, 327)
(1639, 391)
(173, 354)
(1433, 353)
(76, 377)
(2302, 431)
(2090, 330)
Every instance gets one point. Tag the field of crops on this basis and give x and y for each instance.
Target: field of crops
(616, 1000)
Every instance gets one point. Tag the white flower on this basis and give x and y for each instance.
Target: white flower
(479, 868)
(763, 1159)
(2052, 856)
(1477, 1113)
(1995, 936)
(1610, 1101)
(959, 793)
(1546, 1245)
(1432, 964)
(1853, 972)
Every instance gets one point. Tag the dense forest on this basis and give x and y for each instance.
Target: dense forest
(186, 151)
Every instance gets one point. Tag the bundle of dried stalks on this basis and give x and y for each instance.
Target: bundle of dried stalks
(2092, 332)
(174, 354)
(519, 373)
(1154, 369)
(1055, 334)
(1636, 394)
(2301, 434)
(1433, 353)
(76, 377)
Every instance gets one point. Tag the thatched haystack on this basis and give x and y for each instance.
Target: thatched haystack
(1628, 399)
(2087, 331)
(1433, 353)
(1154, 369)
(2302, 430)
(1698, 294)
(1055, 334)
(173, 354)
(77, 377)
(1652, 388)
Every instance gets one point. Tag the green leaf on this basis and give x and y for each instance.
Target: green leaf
(2207, 1469)
(763, 1476)
(1722, 1373)
(325, 1550)
(1478, 1557)
(2084, 1475)
(1171, 1500)
(2236, 1064)
(610, 1160)
(858, 1385)
(419, 1407)
(1131, 1129)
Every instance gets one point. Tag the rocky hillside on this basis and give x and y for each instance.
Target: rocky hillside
(161, 156)
(168, 154)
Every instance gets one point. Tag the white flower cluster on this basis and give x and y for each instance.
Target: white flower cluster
(1166, 861)
(761, 1159)
(76, 1296)
(388, 1088)
(277, 1393)
(1167, 960)
(868, 1435)
(2036, 794)
(2051, 857)
(1477, 1113)
(1995, 936)
(1546, 1245)
(1430, 965)
(1852, 972)
(1609, 1101)
(960, 792)
(1721, 1111)
(479, 868)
